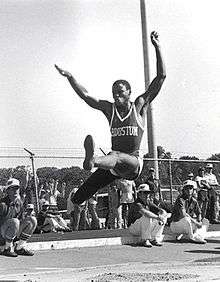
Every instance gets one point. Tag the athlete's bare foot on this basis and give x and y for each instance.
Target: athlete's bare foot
(89, 146)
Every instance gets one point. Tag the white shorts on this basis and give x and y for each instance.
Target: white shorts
(139, 155)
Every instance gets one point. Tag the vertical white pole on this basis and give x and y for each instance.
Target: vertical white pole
(150, 124)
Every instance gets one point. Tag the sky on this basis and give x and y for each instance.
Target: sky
(100, 41)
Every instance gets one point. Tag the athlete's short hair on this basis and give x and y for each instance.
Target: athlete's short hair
(121, 81)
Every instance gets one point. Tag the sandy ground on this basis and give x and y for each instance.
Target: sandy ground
(171, 262)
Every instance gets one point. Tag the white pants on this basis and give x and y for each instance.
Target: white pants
(147, 228)
(187, 227)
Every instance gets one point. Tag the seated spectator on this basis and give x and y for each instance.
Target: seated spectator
(50, 220)
(14, 222)
(145, 219)
(183, 221)
(43, 227)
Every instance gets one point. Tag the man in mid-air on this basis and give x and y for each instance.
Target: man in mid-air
(127, 122)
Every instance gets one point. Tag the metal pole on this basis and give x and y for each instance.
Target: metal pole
(150, 124)
(171, 181)
(34, 176)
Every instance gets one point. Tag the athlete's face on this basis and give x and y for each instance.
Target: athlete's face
(121, 94)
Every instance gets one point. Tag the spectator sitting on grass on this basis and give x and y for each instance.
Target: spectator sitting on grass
(145, 219)
(50, 221)
(184, 210)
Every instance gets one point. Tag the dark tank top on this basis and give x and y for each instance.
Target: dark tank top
(127, 132)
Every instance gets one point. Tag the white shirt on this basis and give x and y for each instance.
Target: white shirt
(211, 179)
(126, 187)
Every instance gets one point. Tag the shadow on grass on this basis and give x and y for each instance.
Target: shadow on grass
(213, 241)
(204, 252)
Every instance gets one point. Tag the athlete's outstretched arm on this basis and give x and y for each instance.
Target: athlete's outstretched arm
(157, 82)
(83, 93)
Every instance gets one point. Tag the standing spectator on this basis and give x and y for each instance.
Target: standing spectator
(212, 194)
(153, 184)
(203, 188)
(146, 219)
(2, 191)
(43, 196)
(113, 221)
(61, 200)
(14, 222)
(183, 221)
(79, 213)
(31, 188)
(92, 204)
(127, 192)
(53, 191)
(217, 207)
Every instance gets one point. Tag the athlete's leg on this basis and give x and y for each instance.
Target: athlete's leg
(125, 165)
(99, 179)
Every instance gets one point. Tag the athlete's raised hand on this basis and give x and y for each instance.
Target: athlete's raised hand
(63, 72)
(155, 38)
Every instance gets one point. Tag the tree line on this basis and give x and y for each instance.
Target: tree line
(72, 175)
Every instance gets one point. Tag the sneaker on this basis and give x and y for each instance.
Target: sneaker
(197, 241)
(89, 146)
(146, 244)
(9, 252)
(156, 243)
(24, 252)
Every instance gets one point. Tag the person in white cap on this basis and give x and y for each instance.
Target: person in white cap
(145, 219)
(183, 221)
(212, 194)
(14, 222)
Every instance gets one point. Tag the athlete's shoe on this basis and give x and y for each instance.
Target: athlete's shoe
(9, 252)
(197, 241)
(24, 252)
(156, 243)
(145, 243)
(89, 146)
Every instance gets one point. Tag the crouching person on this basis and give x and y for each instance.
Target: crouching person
(145, 219)
(185, 209)
(14, 222)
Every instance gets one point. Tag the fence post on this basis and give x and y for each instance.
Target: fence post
(35, 181)
(171, 181)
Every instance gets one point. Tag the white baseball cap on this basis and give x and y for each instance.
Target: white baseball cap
(209, 166)
(12, 182)
(143, 188)
(30, 207)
